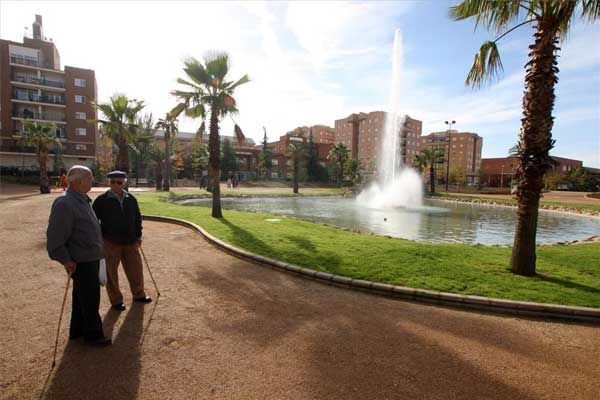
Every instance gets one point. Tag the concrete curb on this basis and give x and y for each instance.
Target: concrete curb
(524, 308)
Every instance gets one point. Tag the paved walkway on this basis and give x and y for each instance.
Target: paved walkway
(228, 329)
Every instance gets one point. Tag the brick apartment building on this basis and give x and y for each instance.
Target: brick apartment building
(464, 150)
(33, 86)
(363, 134)
(499, 172)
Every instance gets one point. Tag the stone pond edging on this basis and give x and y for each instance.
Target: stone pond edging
(524, 308)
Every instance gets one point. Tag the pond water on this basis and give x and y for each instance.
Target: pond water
(437, 221)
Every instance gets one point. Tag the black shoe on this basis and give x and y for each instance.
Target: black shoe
(98, 342)
(145, 299)
(118, 307)
(75, 336)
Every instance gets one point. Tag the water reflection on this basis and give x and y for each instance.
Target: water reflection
(437, 221)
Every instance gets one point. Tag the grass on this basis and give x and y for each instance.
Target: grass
(498, 200)
(260, 192)
(566, 274)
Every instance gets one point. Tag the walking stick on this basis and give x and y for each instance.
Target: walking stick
(152, 277)
(62, 310)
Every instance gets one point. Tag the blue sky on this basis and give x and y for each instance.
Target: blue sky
(314, 62)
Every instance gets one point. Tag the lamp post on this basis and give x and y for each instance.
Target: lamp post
(449, 123)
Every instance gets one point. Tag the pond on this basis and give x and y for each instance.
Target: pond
(437, 221)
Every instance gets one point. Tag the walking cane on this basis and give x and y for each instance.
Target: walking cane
(152, 277)
(62, 310)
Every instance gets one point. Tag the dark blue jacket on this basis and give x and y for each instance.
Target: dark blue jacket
(119, 223)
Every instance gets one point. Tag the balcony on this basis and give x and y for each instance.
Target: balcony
(43, 116)
(36, 98)
(39, 81)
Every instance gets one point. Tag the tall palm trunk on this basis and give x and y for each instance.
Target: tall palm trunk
(167, 176)
(214, 149)
(535, 142)
(44, 183)
(123, 162)
(432, 178)
(295, 183)
(158, 174)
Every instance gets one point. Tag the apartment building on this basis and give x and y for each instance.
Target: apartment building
(500, 172)
(34, 87)
(363, 134)
(463, 149)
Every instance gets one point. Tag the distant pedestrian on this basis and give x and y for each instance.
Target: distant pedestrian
(121, 224)
(229, 182)
(63, 181)
(74, 239)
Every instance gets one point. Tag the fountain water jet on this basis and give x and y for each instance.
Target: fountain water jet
(400, 186)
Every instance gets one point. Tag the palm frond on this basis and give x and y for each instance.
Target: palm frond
(590, 9)
(217, 64)
(198, 111)
(495, 14)
(486, 65)
(196, 71)
(241, 81)
(239, 135)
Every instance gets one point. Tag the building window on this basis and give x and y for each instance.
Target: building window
(79, 99)
(81, 131)
(80, 147)
(79, 82)
(79, 115)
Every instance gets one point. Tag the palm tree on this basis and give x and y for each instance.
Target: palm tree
(339, 154)
(120, 115)
(420, 162)
(296, 152)
(42, 136)
(432, 157)
(142, 143)
(552, 19)
(207, 89)
(169, 126)
(158, 156)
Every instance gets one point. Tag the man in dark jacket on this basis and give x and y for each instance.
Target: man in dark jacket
(121, 224)
(75, 240)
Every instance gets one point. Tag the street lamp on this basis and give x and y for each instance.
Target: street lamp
(449, 123)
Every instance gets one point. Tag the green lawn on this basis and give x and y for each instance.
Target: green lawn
(567, 274)
(572, 206)
(260, 192)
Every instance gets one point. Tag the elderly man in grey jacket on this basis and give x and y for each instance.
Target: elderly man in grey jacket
(75, 241)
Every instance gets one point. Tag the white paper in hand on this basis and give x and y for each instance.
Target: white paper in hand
(102, 272)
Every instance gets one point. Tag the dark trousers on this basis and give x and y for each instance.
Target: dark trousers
(85, 319)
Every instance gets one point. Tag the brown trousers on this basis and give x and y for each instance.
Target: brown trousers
(129, 256)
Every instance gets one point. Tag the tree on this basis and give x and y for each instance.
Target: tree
(119, 124)
(312, 167)
(104, 155)
(432, 157)
(265, 161)
(198, 157)
(140, 147)
(229, 162)
(354, 170)
(42, 136)
(157, 155)
(169, 126)
(339, 155)
(178, 159)
(457, 176)
(420, 162)
(297, 153)
(552, 19)
(207, 89)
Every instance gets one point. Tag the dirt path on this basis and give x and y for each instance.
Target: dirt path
(228, 329)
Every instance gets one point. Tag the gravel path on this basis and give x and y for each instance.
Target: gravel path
(228, 329)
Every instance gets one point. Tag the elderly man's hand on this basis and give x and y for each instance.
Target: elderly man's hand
(70, 267)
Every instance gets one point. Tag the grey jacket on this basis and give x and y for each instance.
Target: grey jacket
(73, 230)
